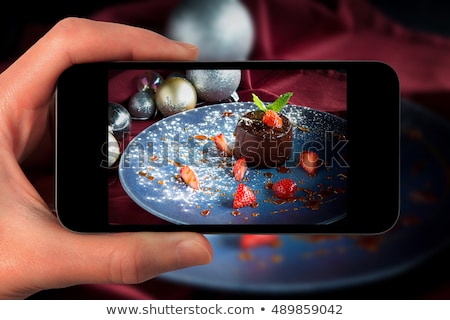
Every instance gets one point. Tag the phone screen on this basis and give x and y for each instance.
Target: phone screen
(229, 147)
(178, 137)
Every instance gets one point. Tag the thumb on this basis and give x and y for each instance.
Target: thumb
(125, 258)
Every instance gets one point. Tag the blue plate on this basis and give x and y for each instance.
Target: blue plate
(149, 170)
(308, 263)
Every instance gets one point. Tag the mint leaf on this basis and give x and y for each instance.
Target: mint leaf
(280, 102)
(259, 103)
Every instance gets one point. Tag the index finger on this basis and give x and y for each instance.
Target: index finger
(78, 40)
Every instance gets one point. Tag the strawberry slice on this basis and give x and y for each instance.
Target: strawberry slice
(222, 144)
(285, 188)
(239, 169)
(309, 161)
(272, 119)
(189, 177)
(244, 196)
(249, 241)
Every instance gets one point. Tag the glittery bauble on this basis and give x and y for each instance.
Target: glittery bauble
(214, 85)
(142, 106)
(222, 29)
(149, 81)
(175, 95)
(119, 121)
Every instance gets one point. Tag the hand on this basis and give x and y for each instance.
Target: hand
(36, 252)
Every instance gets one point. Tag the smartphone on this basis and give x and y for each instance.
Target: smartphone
(192, 146)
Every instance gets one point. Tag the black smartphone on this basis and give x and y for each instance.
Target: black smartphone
(228, 147)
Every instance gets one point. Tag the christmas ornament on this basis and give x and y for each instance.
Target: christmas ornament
(176, 75)
(113, 150)
(175, 95)
(214, 85)
(119, 121)
(222, 29)
(149, 81)
(142, 106)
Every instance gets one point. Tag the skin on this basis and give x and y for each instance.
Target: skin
(36, 252)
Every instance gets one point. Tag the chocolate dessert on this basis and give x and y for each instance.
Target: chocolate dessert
(260, 144)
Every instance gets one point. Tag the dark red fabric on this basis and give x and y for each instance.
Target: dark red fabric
(309, 30)
(303, 30)
(324, 90)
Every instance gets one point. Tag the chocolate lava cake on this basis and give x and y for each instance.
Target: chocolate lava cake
(260, 144)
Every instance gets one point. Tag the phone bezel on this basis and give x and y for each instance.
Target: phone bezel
(373, 123)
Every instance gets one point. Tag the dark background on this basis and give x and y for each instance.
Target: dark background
(422, 15)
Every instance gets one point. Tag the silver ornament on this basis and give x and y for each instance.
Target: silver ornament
(113, 150)
(142, 106)
(222, 29)
(214, 85)
(149, 81)
(119, 122)
(175, 95)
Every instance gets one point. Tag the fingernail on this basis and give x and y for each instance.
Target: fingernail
(186, 45)
(191, 253)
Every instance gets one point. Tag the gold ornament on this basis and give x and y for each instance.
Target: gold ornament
(175, 95)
